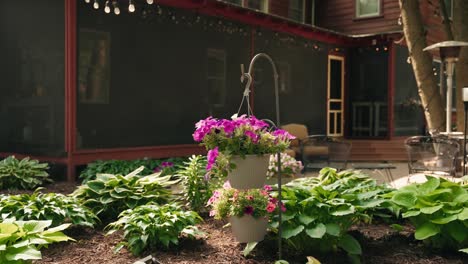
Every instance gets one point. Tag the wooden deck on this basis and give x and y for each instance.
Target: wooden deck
(378, 150)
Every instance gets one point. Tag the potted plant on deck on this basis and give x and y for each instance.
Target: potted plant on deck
(247, 211)
(241, 146)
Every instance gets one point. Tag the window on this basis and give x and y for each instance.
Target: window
(261, 5)
(296, 10)
(367, 8)
(216, 77)
(237, 2)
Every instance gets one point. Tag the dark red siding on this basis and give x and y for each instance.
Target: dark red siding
(339, 15)
(279, 8)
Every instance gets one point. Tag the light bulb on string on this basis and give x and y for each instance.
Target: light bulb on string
(87, 1)
(116, 8)
(107, 8)
(150, 2)
(96, 4)
(131, 6)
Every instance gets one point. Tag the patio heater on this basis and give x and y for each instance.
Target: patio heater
(465, 103)
(248, 76)
(448, 51)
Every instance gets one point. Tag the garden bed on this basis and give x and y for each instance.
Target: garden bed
(380, 244)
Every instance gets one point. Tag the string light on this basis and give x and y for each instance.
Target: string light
(96, 4)
(116, 7)
(87, 1)
(150, 2)
(107, 8)
(131, 6)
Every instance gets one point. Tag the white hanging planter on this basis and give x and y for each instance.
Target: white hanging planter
(248, 229)
(250, 172)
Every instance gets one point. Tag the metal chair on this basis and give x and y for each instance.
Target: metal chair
(428, 154)
(320, 151)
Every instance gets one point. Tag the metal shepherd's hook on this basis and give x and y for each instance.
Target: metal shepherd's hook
(248, 76)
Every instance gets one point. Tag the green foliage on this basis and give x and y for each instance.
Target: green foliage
(109, 194)
(124, 167)
(51, 206)
(152, 225)
(196, 188)
(21, 241)
(320, 211)
(22, 174)
(438, 210)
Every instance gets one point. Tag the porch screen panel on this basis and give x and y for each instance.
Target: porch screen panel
(146, 78)
(302, 73)
(408, 113)
(368, 92)
(32, 77)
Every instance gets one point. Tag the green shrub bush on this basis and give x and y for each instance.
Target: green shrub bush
(21, 241)
(124, 167)
(197, 189)
(109, 194)
(152, 225)
(320, 211)
(22, 174)
(56, 207)
(438, 209)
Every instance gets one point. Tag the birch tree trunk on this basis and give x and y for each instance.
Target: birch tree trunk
(421, 62)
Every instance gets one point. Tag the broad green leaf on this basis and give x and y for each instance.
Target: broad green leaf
(350, 245)
(410, 214)
(317, 232)
(464, 250)
(312, 260)
(444, 220)
(305, 219)
(463, 215)
(344, 210)
(430, 185)
(25, 253)
(34, 226)
(249, 247)
(463, 198)
(426, 230)
(289, 232)
(333, 229)
(431, 210)
(405, 199)
(458, 231)
(397, 227)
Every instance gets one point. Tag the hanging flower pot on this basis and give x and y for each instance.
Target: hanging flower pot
(248, 229)
(250, 172)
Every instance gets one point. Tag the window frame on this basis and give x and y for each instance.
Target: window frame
(265, 5)
(371, 15)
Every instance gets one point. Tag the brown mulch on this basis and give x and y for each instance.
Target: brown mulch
(380, 244)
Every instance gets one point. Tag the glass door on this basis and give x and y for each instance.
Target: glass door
(335, 91)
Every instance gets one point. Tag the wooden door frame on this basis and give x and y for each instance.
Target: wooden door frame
(341, 58)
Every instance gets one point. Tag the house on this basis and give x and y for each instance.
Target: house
(93, 79)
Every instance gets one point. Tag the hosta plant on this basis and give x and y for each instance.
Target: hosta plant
(109, 194)
(152, 225)
(21, 241)
(124, 167)
(438, 209)
(56, 207)
(22, 174)
(320, 211)
(196, 188)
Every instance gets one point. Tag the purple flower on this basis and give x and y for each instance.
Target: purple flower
(212, 155)
(166, 164)
(228, 126)
(248, 210)
(254, 137)
(157, 169)
(267, 188)
(282, 134)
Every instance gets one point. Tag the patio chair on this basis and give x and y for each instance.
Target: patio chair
(320, 151)
(428, 154)
(300, 132)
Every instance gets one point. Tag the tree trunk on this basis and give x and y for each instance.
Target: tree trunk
(460, 30)
(421, 61)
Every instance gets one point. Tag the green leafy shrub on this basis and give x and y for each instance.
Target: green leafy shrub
(438, 209)
(56, 207)
(109, 194)
(124, 167)
(197, 189)
(151, 225)
(320, 211)
(21, 241)
(22, 174)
